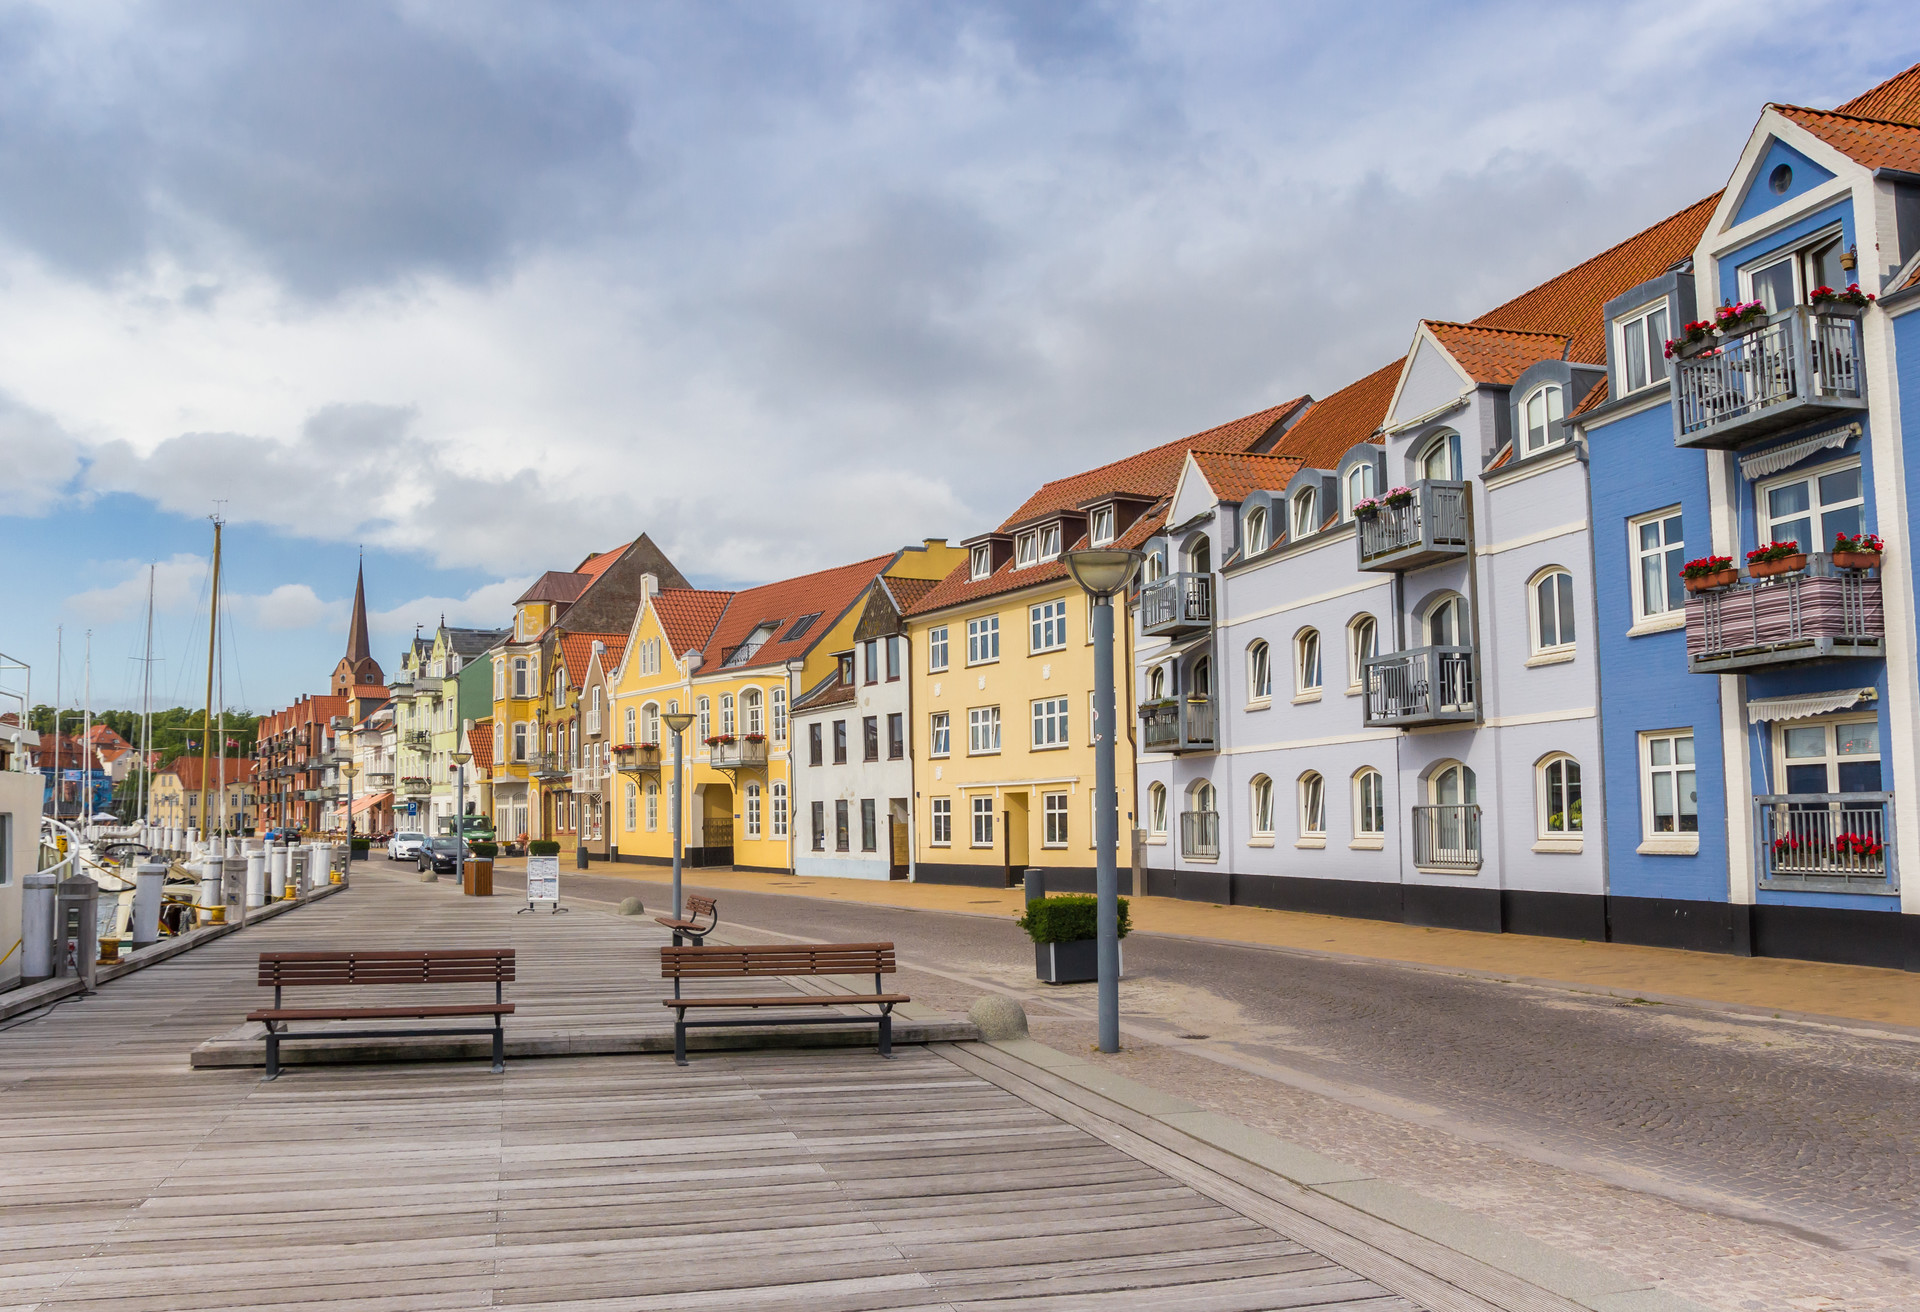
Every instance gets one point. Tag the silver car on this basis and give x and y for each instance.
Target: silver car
(405, 847)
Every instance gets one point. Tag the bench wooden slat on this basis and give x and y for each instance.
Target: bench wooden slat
(386, 1013)
(378, 968)
(792, 1000)
(764, 960)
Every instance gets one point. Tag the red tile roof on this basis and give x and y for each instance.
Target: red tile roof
(688, 615)
(1496, 356)
(1594, 399)
(908, 592)
(188, 768)
(827, 593)
(1872, 143)
(576, 649)
(1233, 476)
(594, 566)
(1897, 100)
(1342, 421)
(1150, 473)
(556, 585)
(960, 587)
(480, 743)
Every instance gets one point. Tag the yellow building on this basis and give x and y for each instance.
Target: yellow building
(175, 797)
(1002, 676)
(735, 661)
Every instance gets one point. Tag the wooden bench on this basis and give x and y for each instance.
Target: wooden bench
(690, 925)
(773, 961)
(284, 970)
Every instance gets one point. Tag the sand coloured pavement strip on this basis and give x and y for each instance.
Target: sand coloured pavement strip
(1773, 984)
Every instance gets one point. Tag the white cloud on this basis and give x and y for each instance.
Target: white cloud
(179, 582)
(292, 606)
(489, 607)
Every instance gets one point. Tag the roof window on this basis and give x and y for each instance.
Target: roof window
(800, 627)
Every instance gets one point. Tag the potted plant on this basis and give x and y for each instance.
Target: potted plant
(756, 737)
(544, 847)
(1692, 339)
(1369, 508)
(1860, 551)
(1733, 317)
(1852, 302)
(1398, 497)
(1775, 558)
(1708, 573)
(1064, 930)
(719, 739)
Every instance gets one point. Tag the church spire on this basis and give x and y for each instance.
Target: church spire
(358, 648)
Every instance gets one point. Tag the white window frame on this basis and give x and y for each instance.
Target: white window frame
(1304, 512)
(520, 676)
(1050, 723)
(632, 798)
(1357, 658)
(1026, 549)
(976, 813)
(650, 722)
(1552, 398)
(753, 809)
(1367, 472)
(1763, 518)
(1796, 256)
(940, 822)
(1564, 648)
(1831, 759)
(1309, 667)
(630, 721)
(1260, 808)
(983, 727)
(751, 719)
(1368, 836)
(1049, 542)
(779, 714)
(1255, 531)
(937, 649)
(1157, 811)
(1259, 674)
(1311, 800)
(940, 734)
(1571, 837)
(1047, 626)
(1053, 819)
(983, 640)
(1675, 841)
(703, 719)
(980, 561)
(1636, 325)
(1675, 615)
(1100, 526)
(779, 807)
(653, 806)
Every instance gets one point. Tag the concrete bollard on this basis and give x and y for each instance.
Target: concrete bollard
(36, 928)
(256, 879)
(149, 881)
(277, 860)
(210, 901)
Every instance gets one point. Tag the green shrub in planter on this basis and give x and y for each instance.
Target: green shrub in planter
(543, 847)
(485, 851)
(1066, 919)
(361, 846)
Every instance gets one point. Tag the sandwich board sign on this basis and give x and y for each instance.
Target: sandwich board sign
(543, 882)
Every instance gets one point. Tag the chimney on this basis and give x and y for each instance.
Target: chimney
(930, 543)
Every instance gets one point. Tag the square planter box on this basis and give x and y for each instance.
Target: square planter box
(1077, 962)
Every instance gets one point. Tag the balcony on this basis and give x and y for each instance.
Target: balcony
(739, 754)
(1200, 834)
(379, 780)
(1430, 528)
(1447, 837)
(1826, 842)
(1788, 619)
(1176, 604)
(415, 786)
(636, 758)
(1182, 724)
(548, 765)
(417, 740)
(1424, 685)
(1797, 367)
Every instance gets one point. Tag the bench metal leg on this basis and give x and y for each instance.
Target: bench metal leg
(273, 1053)
(680, 1039)
(499, 1048)
(699, 940)
(886, 1032)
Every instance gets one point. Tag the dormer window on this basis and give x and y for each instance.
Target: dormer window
(846, 667)
(1026, 549)
(1306, 513)
(1254, 532)
(1544, 405)
(1156, 565)
(1050, 542)
(1100, 526)
(981, 562)
(1643, 347)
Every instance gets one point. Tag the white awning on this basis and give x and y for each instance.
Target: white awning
(1806, 704)
(1762, 463)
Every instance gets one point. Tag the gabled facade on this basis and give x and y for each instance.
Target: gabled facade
(231, 805)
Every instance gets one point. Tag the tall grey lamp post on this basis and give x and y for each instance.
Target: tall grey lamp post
(1103, 574)
(676, 722)
(460, 760)
(349, 769)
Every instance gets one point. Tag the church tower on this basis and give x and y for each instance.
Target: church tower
(358, 665)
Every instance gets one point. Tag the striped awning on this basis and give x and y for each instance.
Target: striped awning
(1762, 463)
(1806, 704)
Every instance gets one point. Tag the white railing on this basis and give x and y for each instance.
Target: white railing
(1434, 521)
(1801, 354)
(1447, 836)
(1833, 841)
(1176, 601)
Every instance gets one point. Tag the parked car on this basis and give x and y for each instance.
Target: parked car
(285, 834)
(442, 854)
(403, 846)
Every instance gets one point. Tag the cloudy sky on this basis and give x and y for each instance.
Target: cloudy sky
(476, 288)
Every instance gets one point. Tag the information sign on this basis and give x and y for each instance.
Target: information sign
(543, 881)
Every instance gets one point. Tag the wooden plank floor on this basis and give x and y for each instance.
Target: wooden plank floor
(815, 1180)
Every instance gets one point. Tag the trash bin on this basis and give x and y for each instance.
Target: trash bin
(476, 879)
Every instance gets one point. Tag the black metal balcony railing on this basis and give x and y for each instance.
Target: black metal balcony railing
(1183, 724)
(1447, 836)
(1200, 833)
(738, 754)
(1833, 842)
(1424, 685)
(1431, 527)
(1799, 365)
(1821, 613)
(1178, 603)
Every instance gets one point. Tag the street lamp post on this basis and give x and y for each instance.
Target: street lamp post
(676, 722)
(460, 760)
(349, 769)
(1103, 574)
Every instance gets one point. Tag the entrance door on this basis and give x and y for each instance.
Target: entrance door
(1013, 823)
(897, 836)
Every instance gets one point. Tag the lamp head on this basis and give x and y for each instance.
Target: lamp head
(1103, 571)
(677, 720)
(461, 758)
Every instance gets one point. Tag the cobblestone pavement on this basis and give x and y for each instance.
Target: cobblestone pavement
(1753, 1163)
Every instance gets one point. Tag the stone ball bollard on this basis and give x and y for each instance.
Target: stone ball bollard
(999, 1017)
(430, 877)
(631, 907)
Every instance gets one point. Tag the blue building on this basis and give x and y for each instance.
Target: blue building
(1759, 733)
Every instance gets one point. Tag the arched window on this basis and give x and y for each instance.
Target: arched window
(1200, 682)
(1259, 672)
(653, 804)
(1453, 784)
(1306, 513)
(1551, 601)
(1157, 684)
(1360, 484)
(1157, 810)
(1306, 662)
(1442, 459)
(1363, 644)
(1369, 803)
(650, 724)
(779, 808)
(1544, 405)
(1200, 795)
(1200, 554)
(631, 730)
(1200, 823)
(1313, 805)
(1254, 534)
(753, 810)
(1156, 565)
(1262, 790)
(1558, 780)
(726, 713)
(1446, 621)
(750, 712)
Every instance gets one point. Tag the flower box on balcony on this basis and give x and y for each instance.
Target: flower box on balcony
(1852, 302)
(1730, 320)
(1708, 573)
(1859, 552)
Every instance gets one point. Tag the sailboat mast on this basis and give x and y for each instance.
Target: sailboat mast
(145, 763)
(59, 668)
(86, 734)
(206, 718)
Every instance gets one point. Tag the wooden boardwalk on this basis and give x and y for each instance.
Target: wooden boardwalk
(815, 1180)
